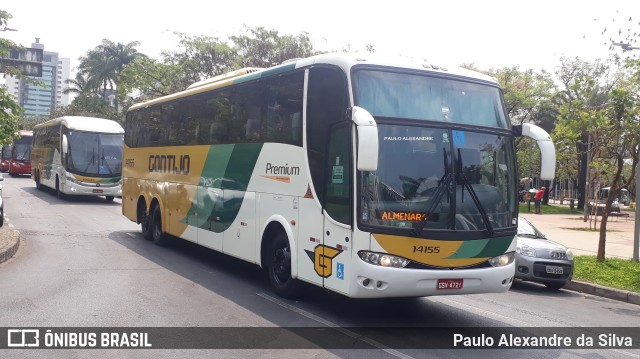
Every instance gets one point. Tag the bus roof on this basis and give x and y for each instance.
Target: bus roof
(343, 60)
(82, 123)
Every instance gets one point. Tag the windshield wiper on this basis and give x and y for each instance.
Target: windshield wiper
(474, 196)
(440, 190)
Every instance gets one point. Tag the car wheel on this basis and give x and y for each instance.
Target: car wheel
(109, 198)
(279, 268)
(555, 285)
(1, 217)
(158, 236)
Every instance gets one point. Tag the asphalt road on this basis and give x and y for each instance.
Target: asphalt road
(82, 264)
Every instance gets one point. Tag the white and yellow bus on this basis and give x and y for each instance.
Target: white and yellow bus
(368, 177)
(78, 156)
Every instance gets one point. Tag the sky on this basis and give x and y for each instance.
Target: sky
(486, 33)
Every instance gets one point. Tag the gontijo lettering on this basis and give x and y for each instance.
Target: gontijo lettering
(170, 164)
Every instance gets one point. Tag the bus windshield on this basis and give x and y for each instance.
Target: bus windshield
(413, 96)
(95, 153)
(433, 178)
(22, 151)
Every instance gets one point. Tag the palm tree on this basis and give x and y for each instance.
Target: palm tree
(103, 65)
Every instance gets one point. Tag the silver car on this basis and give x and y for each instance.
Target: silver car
(541, 260)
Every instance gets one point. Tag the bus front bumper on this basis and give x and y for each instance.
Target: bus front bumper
(80, 190)
(371, 281)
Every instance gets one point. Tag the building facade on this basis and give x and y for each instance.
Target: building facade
(41, 100)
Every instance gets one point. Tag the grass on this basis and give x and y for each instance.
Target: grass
(551, 209)
(613, 272)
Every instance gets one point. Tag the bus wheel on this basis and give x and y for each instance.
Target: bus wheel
(279, 268)
(159, 237)
(109, 198)
(145, 223)
(37, 180)
(58, 192)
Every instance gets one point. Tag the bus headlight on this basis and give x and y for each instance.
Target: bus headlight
(383, 260)
(502, 260)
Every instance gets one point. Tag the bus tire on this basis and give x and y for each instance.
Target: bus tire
(145, 223)
(109, 198)
(58, 192)
(279, 268)
(37, 180)
(158, 236)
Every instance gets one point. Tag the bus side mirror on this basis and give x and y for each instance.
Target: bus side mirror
(367, 130)
(65, 144)
(547, 149)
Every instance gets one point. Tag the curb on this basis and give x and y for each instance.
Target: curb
(598, 290)
(9, 243)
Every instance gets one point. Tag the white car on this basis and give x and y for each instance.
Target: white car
(540, 260)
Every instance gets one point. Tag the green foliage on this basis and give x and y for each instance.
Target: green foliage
(10, 111)
(10, 116)
(259, 47)
(90, 106)
(550, 209)
(612, 272)
(202, 57)
(151, 78)
(101, 67)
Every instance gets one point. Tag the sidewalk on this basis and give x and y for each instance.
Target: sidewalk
(9, 243)
(558, 228)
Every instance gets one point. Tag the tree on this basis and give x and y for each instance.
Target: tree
(259, 47)
(202, 57)
(604, 107)
(10, 110)
(101, 67)
(585, 89)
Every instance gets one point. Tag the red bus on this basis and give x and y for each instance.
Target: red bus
(20, 162)
(6, 158)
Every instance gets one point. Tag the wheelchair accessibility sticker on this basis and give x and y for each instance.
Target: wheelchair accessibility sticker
(340, 273)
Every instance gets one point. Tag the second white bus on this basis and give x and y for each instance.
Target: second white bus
(78, 156)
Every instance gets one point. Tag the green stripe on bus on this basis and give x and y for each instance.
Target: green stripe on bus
(483, 248)
(233, 163)
(496, 246)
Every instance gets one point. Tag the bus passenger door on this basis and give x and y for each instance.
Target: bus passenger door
(334, 263)
(239, 216)
(310, 238)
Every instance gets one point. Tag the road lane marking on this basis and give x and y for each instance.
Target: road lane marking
(330, 324)
(485, 313)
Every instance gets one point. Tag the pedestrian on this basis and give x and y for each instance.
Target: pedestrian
(538, 199)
